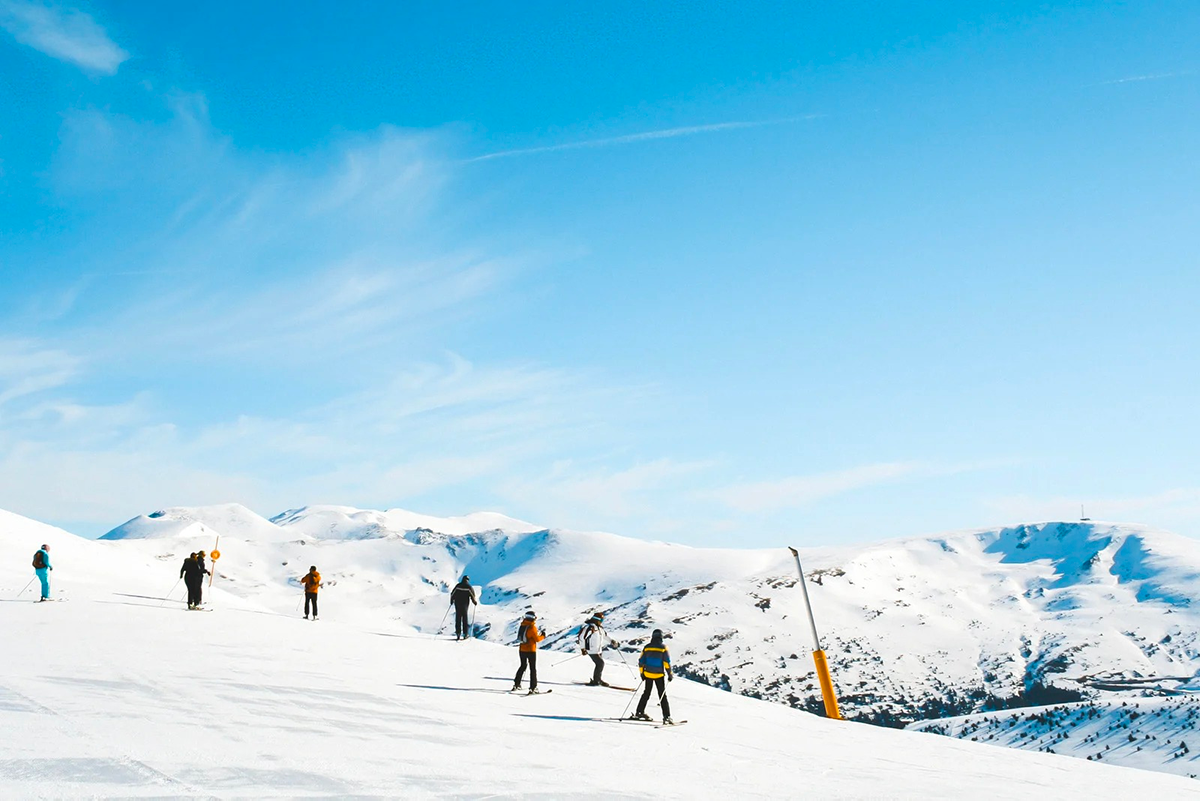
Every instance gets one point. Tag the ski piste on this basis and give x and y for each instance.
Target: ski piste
(530, 692)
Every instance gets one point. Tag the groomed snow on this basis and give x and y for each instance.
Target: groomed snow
(111, 695)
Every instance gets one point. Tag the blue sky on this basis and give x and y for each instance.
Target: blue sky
(714, 274)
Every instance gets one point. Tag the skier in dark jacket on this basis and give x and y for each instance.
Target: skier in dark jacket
(462, 596)
(193, 572)
(655, 663)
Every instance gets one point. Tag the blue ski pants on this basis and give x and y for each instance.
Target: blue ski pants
(43, 573)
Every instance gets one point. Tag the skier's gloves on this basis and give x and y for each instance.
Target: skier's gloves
(670, 677)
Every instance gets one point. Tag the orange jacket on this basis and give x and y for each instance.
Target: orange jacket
(532, 636)
(312, 581)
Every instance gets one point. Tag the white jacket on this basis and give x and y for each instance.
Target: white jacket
(594, 639)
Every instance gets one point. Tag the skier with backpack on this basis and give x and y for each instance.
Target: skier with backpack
(528, 636)
(592, 640)
(312, 583)
(192, 573)
(655, 663)
(462, 596)
(42, 567)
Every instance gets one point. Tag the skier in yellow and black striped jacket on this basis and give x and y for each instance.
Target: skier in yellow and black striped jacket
(655, 664)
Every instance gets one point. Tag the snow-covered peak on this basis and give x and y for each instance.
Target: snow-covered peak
(230, 519)
(347, 523)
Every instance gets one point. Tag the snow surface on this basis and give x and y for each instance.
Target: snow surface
(117, 693)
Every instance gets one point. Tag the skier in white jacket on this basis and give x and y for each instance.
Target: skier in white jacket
(593, 639)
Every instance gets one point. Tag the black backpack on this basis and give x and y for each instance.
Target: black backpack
(39, 560)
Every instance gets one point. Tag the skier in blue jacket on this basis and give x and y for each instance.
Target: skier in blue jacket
(655, 664)
(41, 566)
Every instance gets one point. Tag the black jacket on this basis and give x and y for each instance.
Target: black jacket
(192, 570)
(462, 595)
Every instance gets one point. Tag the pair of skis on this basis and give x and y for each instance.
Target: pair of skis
(654, 723)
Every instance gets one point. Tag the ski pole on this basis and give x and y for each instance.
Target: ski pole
(443, 623)
(629, 703)
(632, 672)
(568, 659)
(27, 586)
(173, 586)
(474, 609)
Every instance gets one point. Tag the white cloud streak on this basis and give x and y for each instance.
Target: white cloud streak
(799, 491)
(63, 33)
(1139, 78)
(645, 136)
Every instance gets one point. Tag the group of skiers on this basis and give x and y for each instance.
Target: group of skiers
(654, 664)
(193, 572)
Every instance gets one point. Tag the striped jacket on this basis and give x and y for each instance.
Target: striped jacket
(654, 662)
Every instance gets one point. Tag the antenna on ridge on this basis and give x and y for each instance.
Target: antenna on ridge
(1083, 518)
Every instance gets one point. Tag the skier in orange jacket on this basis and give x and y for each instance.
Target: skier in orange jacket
(528, 636)
(312, 583)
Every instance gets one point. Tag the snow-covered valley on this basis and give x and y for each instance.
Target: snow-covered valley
(931, 627)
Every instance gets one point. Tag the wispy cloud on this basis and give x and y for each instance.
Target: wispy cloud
(579, 495)
(644, 136)
(27, 368)
(799, 491)
(63, 33)
(1151, 77)
(317, 282)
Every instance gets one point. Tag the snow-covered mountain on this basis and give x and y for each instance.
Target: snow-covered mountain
(1155, 733)
(915, 629)
(119, 692)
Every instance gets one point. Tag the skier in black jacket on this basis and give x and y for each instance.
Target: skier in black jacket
(192, 573)
(462, 596)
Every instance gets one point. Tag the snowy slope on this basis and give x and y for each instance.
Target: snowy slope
(114, 695)
(915, 629)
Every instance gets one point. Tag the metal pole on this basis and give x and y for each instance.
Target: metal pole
(27, 586)
(812, 623)
(822, 664)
